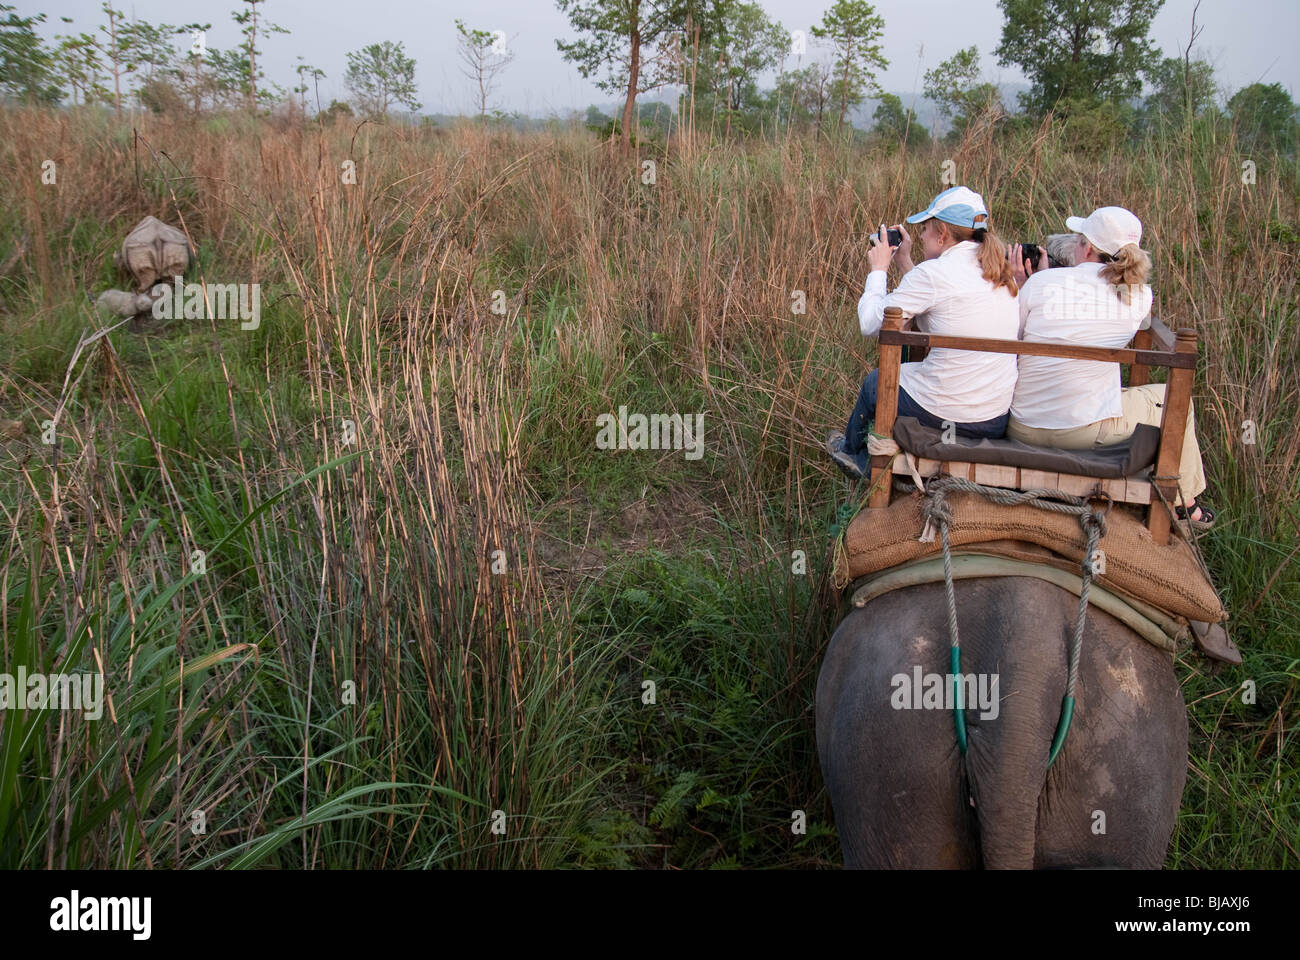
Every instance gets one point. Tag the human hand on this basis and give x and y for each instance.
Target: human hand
(1022, 269)
(881, 252)
(904, 255)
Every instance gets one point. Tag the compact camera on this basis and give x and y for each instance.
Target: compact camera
(1032, 252)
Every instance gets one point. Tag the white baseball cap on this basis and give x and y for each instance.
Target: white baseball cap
(1108, 228)
(959, 206)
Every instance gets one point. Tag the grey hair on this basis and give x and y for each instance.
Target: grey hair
(1061, 248)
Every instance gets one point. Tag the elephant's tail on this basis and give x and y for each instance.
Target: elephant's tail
(1005, 811)
(1006, 775)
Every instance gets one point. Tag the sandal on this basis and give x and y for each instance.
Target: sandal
(1213, 641)
(1201, 525)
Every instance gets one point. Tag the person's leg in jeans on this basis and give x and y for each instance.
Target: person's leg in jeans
(864, 414)
(860, 420)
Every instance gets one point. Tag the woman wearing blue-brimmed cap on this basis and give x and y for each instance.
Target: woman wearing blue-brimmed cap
(964, 288)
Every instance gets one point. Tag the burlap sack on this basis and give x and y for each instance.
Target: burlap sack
(1167, 577)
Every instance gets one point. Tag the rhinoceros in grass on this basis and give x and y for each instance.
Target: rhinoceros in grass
(154, 251)
(124, 304)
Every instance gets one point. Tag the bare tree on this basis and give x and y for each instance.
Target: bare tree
(483, 56)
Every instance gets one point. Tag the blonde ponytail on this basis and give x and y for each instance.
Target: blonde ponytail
(1127, 270)
(992, 256)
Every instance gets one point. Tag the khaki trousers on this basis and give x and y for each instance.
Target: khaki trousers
(1144, 404)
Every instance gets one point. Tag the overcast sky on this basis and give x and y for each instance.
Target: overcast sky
(1247, 40)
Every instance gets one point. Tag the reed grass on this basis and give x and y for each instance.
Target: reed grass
(436, 624)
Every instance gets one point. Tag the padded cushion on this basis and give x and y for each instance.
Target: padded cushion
(1113, 461)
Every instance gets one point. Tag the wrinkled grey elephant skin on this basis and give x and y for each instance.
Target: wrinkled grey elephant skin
(902, 791)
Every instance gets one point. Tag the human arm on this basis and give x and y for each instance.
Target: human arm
(914, 294)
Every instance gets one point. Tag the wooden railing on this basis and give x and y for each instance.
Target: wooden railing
(1176, 352)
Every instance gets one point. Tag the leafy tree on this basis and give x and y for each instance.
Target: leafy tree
(337, 111)
(618, 34)
(79, 66)
(480, 60)
(853, 29)
(27, 68)
(729, 46)
(230, 77)
(118, 46)
(209, 76)
(1265, 116)
(747, 44)
(1182, 88)
(1099, 129)
(732, 53)
(805, 94)
(947, 83)
(153, 47)
(893, 123)
(158, 96)
(955, 87)
(251, 24)
(379, 76)
(1078, 53)
(191, 72)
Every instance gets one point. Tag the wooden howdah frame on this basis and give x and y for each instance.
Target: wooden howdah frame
(1154, 347)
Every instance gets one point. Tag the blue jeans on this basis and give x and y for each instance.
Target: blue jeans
(864, 412)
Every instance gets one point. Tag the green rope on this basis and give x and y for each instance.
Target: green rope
(937, 511)
(854, 505)
(1062, 728)
(846, 512)
(958, 707)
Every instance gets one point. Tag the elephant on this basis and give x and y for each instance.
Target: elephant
(903, 794)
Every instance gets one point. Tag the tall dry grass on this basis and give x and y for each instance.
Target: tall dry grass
(381, 663)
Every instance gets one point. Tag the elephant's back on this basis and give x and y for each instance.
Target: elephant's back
(1127, 742)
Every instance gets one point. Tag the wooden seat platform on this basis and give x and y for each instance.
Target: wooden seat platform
(1154, 347)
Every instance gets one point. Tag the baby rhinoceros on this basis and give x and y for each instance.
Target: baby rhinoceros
(153, 251)
(124, 304)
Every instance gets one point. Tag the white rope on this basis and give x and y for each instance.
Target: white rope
(879, 446)
(882, 446)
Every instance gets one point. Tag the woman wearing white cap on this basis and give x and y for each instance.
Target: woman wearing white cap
(965, 287)
(1102, 301)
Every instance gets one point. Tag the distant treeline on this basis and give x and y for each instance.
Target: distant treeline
(1094, 63)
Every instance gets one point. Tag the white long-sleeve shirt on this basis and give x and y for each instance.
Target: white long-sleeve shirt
(1074, 305)
(949, 295)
